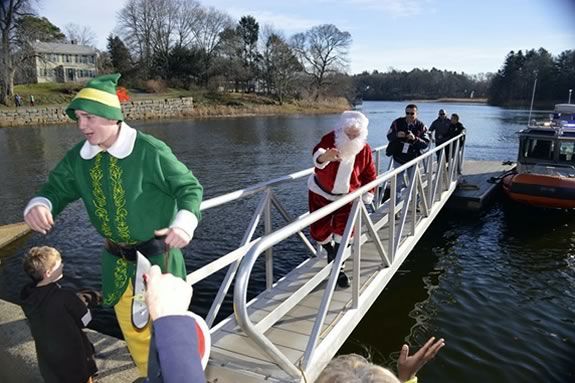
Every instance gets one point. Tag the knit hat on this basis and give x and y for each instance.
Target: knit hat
(98, 98)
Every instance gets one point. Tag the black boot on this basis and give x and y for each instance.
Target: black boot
(342, 279)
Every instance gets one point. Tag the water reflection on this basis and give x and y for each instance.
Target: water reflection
(498, 286)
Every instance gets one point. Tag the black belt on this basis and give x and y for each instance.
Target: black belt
(149, 248)
(325, 191)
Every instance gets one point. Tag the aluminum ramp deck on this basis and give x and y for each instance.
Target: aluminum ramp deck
(291, 330)
(236, 358)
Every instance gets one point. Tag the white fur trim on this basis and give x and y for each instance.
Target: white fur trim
(341, 183)
(367, 198)
(120, 149)
(337, 238)
(187, 221)
(326, 241)
(319, 165)
(36, 201)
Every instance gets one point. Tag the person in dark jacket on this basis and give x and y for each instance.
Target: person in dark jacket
(439, 127)
(56, 317)
(408, 139)
(455, 129)
(174, 352)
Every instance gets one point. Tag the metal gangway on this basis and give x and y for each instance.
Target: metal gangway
(292, 329)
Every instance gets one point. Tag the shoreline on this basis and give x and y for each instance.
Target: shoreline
(183, 108)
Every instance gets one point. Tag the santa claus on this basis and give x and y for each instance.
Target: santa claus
(343, 163)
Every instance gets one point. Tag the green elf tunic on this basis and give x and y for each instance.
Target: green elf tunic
(135, 187)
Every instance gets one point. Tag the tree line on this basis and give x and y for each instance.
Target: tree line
(180, 43)
(420, 84)
(186, 44)
(513, 83)
(183, 44)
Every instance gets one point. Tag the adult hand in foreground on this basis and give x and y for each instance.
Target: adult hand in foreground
(407, 366)
(166, 294)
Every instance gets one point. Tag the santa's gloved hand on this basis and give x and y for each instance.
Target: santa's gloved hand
(367, 198)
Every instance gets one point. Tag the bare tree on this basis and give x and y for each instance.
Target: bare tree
(208, 31)
(151, 28)
(323, 50)
(211, 23)
(10, 12)
(136, 27)
(82, 35)
(188, 15)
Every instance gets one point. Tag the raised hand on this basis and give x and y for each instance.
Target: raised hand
(407, 366)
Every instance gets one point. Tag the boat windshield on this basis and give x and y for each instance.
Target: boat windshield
(538, 149)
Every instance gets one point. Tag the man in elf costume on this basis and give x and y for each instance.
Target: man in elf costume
(343, 163)
(138, 196)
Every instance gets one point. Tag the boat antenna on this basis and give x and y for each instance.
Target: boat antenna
(532, 97)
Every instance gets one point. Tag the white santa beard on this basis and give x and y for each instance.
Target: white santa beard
(348, 149)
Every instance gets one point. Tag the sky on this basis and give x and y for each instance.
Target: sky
(471, 36)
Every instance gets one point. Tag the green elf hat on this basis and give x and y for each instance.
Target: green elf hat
(98, 98)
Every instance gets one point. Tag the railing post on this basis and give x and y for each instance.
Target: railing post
(430, 179)
(391, 218)
(356, 260)
(269, 252)
(377, 196)
(330, 285)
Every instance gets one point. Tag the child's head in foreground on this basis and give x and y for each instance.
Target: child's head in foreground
(43, 264)
(354, 368)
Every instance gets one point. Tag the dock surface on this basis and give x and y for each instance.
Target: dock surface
(11, 232)
(18, 363)
(478, 184)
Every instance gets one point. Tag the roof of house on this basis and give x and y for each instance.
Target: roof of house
(43, 47)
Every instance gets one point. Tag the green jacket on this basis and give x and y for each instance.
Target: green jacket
(136, 187)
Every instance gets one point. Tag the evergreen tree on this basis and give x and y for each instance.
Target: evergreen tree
(120, 56)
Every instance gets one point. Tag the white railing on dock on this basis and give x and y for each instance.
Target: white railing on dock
(430, 179)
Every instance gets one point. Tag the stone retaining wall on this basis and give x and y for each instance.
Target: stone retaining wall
(134, 110)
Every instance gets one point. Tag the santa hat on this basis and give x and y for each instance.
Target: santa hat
(353, 118)
(98, 98)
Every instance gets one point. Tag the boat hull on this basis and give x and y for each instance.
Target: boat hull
(541, 190)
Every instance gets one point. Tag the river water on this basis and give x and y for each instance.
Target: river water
(498, 286)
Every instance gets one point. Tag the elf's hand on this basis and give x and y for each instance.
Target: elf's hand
(175, 237)
(39, 218)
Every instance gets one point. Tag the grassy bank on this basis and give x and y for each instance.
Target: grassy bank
(206, 104)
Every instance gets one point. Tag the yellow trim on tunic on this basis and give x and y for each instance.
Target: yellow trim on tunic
(138, 341)
(99, 96)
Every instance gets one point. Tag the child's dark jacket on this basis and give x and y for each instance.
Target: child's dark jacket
(56, 317)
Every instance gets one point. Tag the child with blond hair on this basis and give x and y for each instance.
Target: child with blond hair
(56, 317)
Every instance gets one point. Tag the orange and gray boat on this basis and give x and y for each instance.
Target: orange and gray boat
(545, 173)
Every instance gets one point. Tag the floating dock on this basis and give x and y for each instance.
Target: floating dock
(10, 233)
(18, 353)
(479, 184)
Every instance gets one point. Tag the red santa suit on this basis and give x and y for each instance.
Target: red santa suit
(333, 180)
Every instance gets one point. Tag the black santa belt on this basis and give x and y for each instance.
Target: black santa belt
(149, 248)
(325, 191)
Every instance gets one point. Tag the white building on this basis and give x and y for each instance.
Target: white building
(60, 62)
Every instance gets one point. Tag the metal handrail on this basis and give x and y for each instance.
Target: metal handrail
(266, 242)
(232, 259)
(254, 189)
